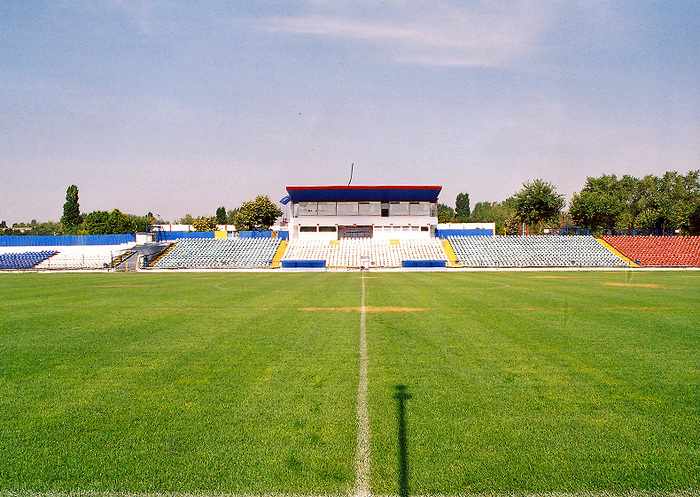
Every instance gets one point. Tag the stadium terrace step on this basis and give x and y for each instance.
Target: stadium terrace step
(533, 251)
(220, 253)
(662, 251)
(360, 252)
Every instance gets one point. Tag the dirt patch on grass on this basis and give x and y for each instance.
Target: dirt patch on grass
(119, 286)
(368, 308)
(543, 308)
(634, 285)
(640, 308)
(550, 277)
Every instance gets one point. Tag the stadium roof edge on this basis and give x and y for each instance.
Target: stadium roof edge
(381, 193)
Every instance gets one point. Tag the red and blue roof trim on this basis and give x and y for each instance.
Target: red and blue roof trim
(364, 193)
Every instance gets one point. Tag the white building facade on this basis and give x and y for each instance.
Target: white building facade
(381, 212)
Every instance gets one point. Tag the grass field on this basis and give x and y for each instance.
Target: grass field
(215, 382)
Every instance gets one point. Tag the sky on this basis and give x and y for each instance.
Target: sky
(180, 107)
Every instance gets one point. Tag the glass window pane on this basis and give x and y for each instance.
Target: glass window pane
(347, 208)
(370, 208)
(398, 209)
(307, 209)
(326, 208)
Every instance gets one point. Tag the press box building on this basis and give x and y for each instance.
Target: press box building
(380, 212)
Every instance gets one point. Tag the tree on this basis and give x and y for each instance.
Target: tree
(500, 213)
(188, 219)
(47, 228)
(120, 223)
(71, 219)
(258, 214)
(142, 223)
(462, 210)
(231, 215)
(221, 215)
(446, 214)
(97, 223)
(204, 223)
(538, 202)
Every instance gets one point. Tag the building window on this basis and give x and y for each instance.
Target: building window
(307, 229)
(420, 208)
(370, 208)
(326, 208)
(347, 208)
(385, 209)
(326, 229)
(398, 208)
(307, 209)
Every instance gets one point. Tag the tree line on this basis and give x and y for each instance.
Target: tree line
(258, 214)
(607, 203)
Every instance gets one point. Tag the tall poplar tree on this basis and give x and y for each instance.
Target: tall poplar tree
(71, 218)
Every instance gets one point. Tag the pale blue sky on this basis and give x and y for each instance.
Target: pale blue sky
(181, 107)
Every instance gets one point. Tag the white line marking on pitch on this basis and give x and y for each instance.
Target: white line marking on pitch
(362, 454)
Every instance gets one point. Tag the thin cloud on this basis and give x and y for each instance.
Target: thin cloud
(432, 33)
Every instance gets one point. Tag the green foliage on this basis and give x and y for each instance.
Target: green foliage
(446, 214)
(500, 213)
(188, 219)
(221, 217)
(204, 223)
(231, 215)
(258, 214)
(462, 209)
(538, 202)
(143, 223)
(666, 202)
(97, 223)
(71, 219)
(120, 223)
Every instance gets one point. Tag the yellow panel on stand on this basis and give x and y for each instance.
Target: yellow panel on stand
(617, 253)
(451, 256)
(220, 234)
(279, 254)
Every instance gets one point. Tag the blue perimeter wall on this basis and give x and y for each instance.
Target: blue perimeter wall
(446, 233)
(171, 236)
(65, 240)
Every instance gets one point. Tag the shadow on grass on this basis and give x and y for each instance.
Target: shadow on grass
(401, 397)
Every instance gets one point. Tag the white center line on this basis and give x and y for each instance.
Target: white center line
(362, 454)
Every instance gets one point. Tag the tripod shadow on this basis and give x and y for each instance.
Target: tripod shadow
(401, 397)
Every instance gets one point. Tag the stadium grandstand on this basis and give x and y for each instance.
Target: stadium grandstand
(345, 227)
(660, 251)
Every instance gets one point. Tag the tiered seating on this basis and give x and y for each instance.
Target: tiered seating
(658, 250)
(220, 252)
(23, 260)
(84, 256)
(533, 251)
(354, 252)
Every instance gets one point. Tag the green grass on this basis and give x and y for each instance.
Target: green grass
(228, 382)
(175, 382)
(521, 382)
